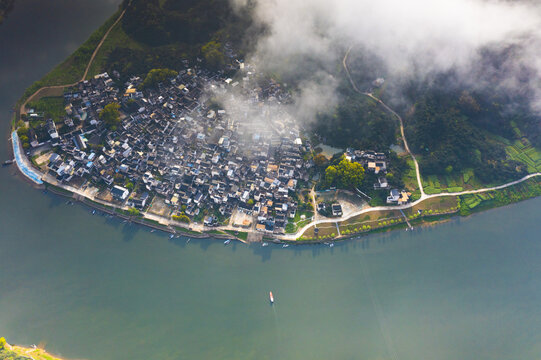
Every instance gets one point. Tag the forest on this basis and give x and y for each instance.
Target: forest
(454, 129)
(163, 32)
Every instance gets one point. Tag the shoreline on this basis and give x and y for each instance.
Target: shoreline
(178, 229)
(33, 352)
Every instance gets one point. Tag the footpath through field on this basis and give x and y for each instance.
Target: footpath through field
(36, 95)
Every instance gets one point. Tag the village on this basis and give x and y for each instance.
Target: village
(178, 154)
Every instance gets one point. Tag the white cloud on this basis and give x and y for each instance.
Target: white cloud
(413, 38)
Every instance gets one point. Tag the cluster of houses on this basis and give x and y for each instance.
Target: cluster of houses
(376, 162)
(177, 143)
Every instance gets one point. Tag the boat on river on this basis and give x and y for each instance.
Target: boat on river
(271, 298)
(227, 241)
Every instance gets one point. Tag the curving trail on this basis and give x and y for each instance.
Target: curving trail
(417, 171)
(22, 109)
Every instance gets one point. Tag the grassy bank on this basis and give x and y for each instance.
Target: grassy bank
(13, 352)
(239, 234)
(471, 203)
(72, 69)
(58, 190)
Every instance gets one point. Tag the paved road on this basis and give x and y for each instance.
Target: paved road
(406, 206)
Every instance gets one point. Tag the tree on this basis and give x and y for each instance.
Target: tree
(156, 76)
(181, 218)
(22, 131)
(250, 202)
(110, 115)
(133, 212)
(320, 160)
(346, 174)
(2, 343)
(213, 55)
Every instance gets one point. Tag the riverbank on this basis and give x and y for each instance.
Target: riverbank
(15, 352)
(365, 221)
(141, 220)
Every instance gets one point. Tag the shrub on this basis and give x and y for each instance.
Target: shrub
(183, 218)
(133, 212)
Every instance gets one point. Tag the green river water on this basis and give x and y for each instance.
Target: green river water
(91, 287)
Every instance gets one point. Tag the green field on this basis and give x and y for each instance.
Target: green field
(519, 192)
(524, 152)
(52, 107)
(451, 183)
(72, 69)
(240, 234)
(296, 223)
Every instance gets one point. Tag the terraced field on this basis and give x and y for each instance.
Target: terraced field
(449, 183)
(523, 151)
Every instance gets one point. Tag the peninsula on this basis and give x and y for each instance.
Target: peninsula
(14, 352)
(215, 147)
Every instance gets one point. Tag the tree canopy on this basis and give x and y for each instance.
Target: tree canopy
(451, 132)
(320, 160)
(345, 174)
(213, 54)
(181, 218)
(110, 115)
(156, 76)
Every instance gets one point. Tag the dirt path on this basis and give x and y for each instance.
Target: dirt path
(417, 171)
(38, 92)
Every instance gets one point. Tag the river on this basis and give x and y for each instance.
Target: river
(91, 287)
